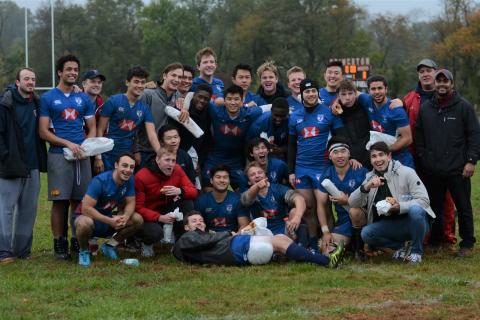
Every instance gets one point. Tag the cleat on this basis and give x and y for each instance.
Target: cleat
(413, 258)
(336, 256)
(109, 251)
(60, 249)
(84, 258)
(463, 252)
(74, 247)
(147, 250)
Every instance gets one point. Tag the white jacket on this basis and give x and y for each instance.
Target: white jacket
(405, 186)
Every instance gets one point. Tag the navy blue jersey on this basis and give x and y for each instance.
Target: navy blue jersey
(388, 121)
(221, 216)
(216, 85)
(352, 180)
(263, 124)
(124, 121)
(108, 194)
(327, 97)
(229, 134)
(294, 104)
(67, 114)
(273, 207)
(312, 130)
(249, 97)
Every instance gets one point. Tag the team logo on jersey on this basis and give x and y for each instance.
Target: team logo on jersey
(269, 213)
(309, 132)
(220, 222)
(230, 130)
(110, 205)
(121, 109)
(79, 101)
(124, 190)
(377, 126)
(70, 114)
(321, 101)
(229, 207)
(139, 113)
(351, 183)
(273, 175)
(370, 109)
(320, 117)
(57, 102)
(208, 210)
(218, 88)
(127, 125)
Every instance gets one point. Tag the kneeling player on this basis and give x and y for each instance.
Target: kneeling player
(227, 248)
(346, 179)
(108, 209)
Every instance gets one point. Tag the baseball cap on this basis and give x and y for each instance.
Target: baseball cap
(91, 74)
(446, 73)
(427, 63)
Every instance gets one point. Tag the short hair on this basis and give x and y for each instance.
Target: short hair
(268, 65)
(165, 128)
(242, 66)
(346, 85)
(189, 68)
(189, 214)
(17, 77)
(380, 146)
(172, 66)
(204, 87)
(251, 165)
(220, 167)
(137, 71)
(254, 142)
(233, 89)
(336, 63)
(280, 103)
(207, 51)
(163, 151)
(376, 78)
(125, 154)
(295, 69)
(64, 59)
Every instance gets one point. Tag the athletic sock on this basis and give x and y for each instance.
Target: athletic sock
(298, 253)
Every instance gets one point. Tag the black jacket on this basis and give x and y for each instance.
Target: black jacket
(205, 248)
(12, 148)
(447, 137)
(357, 127)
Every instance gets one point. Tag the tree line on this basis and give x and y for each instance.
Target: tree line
(113, 35)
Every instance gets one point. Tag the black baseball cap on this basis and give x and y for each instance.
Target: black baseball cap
(92, 74)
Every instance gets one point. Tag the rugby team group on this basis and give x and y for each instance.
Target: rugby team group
(194, 164)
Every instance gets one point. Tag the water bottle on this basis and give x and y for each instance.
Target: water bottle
(167, 232)
(131, 262)
(93, 246)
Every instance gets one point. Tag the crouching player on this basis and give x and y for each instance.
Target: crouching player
(108, 209)
(272, 201)
(227, 248)
(346, 179)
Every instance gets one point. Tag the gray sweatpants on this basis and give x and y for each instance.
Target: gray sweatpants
(18, 210)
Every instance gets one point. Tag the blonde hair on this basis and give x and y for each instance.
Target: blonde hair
(295, 69)
(268, 65)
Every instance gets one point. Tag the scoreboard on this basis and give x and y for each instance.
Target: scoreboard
(356, 69)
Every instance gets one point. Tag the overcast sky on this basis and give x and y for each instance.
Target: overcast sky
(417, 9)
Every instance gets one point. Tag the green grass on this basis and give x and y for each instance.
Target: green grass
(442, 287)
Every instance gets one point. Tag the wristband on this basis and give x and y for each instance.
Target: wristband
(325, 229)
(362, 189)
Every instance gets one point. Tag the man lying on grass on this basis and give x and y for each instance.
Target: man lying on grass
(228, 248)
(108, 210)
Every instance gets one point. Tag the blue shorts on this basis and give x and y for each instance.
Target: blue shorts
(343, 225)
(278, 228)
(100, 229)
(307, 178)
(405, 158)
(240, 245)
(108, 161)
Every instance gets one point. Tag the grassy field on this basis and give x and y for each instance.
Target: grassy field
(442, 287)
